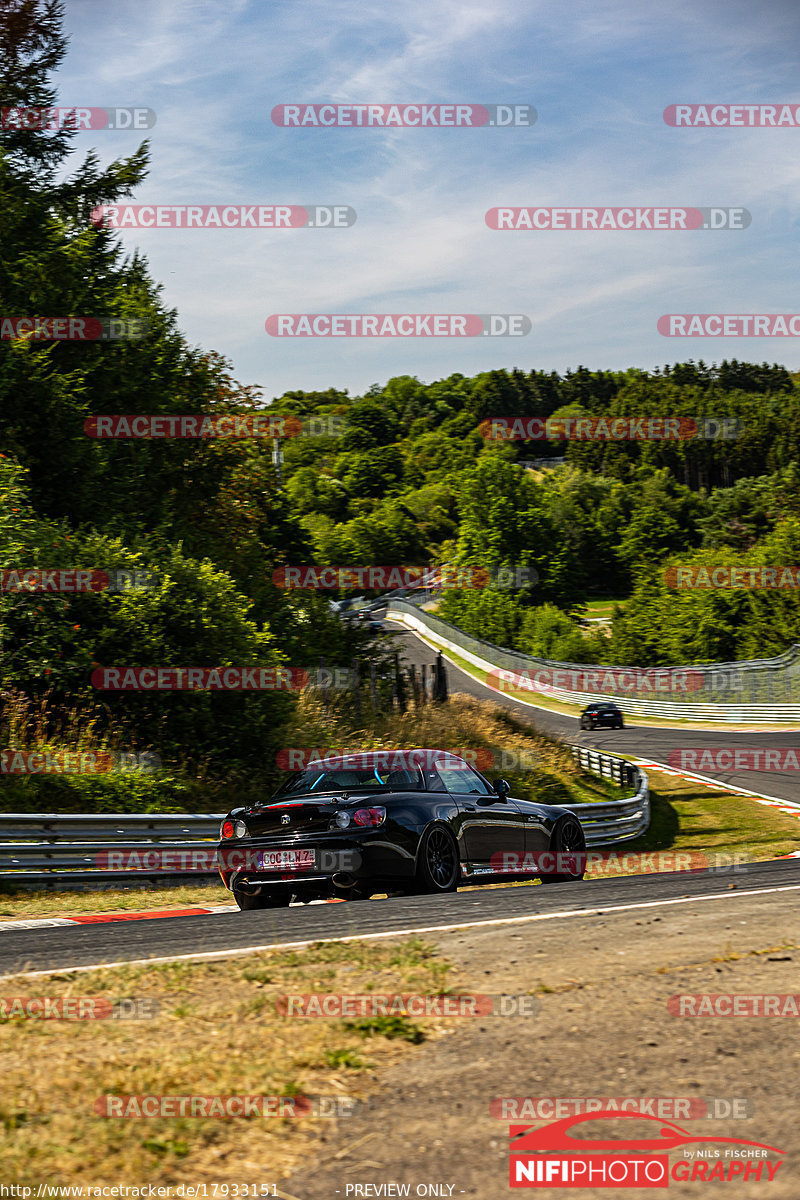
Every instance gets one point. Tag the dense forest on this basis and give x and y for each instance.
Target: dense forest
(403, 474)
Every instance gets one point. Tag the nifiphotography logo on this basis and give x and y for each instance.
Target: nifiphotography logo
(554, 1156)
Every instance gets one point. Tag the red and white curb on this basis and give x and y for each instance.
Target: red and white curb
(153, 914)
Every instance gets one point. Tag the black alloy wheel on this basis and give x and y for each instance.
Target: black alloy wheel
(567, 838)
(438, 864)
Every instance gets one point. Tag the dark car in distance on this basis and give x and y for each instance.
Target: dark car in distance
(353, 825)
(602, 713)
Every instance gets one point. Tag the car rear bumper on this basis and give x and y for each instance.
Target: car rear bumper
(339, 862)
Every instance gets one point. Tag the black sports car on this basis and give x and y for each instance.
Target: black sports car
(602, 713)
(386, 821)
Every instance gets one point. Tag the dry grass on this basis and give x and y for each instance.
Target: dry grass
(66, 904)
(28, 724)
(548, 769)
(216, 1033)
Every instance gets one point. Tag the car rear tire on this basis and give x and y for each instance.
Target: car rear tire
(438, 866)
(567, 837)
(266, 898)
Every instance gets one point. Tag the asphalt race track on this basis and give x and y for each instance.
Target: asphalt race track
(223, 934)
(640, 741)
(220, 935)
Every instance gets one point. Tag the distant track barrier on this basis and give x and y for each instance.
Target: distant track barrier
(756, 691)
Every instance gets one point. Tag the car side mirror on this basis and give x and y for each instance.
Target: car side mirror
(502, 787)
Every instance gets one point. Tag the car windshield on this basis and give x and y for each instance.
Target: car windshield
(356, 777)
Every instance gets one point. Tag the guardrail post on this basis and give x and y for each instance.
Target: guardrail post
(399, 685)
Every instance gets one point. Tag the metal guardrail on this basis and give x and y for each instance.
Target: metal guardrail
(617, 820)
(50, 851)
(57, 851)
(758, 691)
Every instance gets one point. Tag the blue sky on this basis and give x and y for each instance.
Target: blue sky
(599, 76)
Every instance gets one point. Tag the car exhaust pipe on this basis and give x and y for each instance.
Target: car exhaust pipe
(343, 879)
(244, 885)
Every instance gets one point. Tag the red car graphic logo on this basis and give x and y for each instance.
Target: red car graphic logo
(557, 1136)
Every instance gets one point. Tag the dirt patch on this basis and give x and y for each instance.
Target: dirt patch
(603, 1029)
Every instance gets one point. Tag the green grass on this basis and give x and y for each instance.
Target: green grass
(689, 818)
(388, 1027)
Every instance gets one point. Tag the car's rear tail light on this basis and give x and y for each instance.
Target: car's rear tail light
(369, 816)
(227, 829)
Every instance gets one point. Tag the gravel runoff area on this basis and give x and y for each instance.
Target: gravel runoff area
(602, 1029)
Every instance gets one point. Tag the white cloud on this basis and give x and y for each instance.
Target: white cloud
(600, 78)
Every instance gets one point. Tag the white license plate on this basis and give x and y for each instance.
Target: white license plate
(286, 860)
